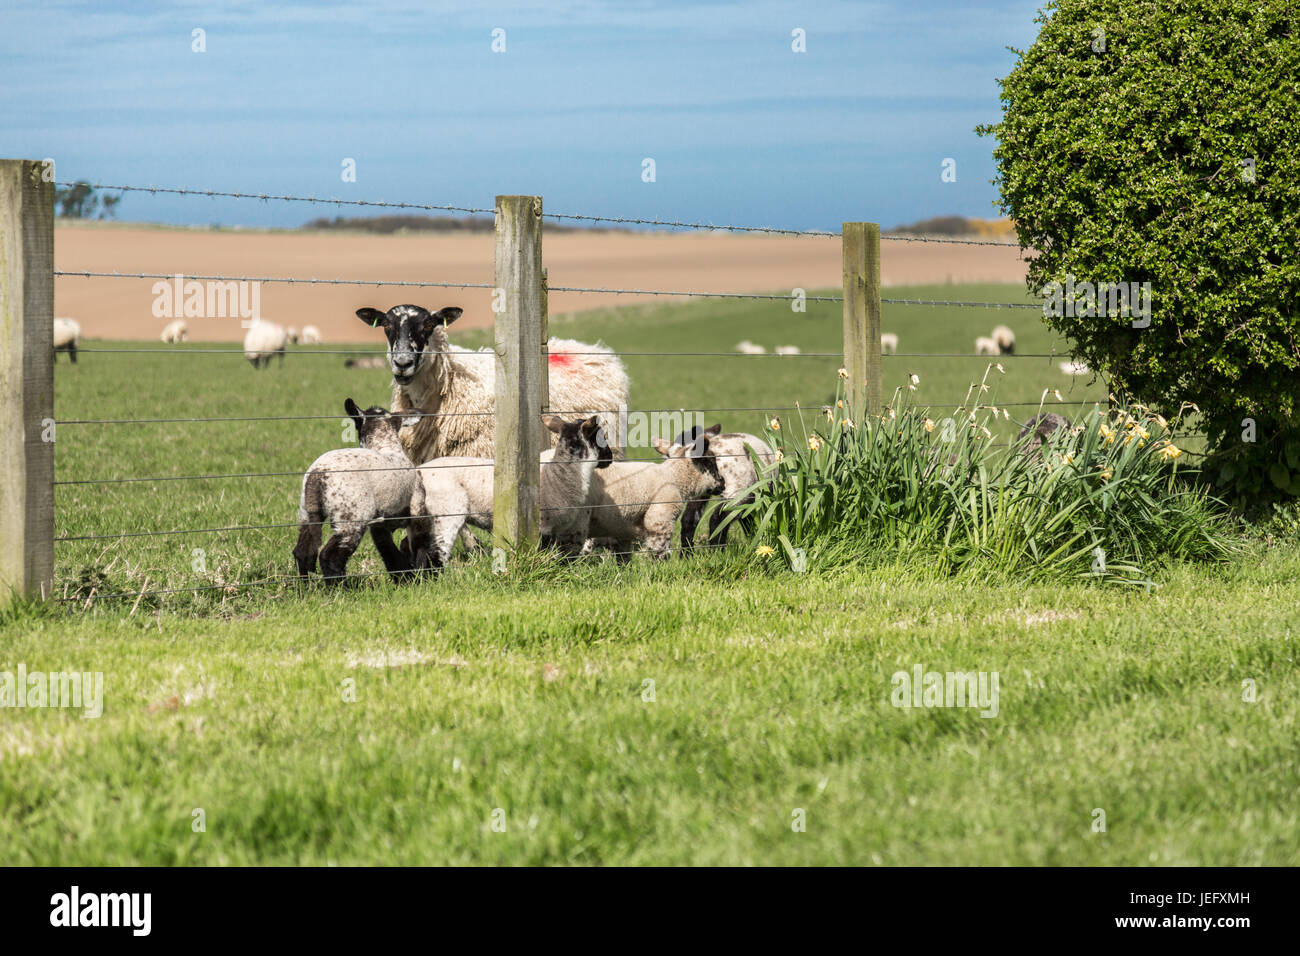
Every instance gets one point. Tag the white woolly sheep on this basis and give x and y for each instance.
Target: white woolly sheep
(986, 346)
(1074, 368)
(175, 332)
(452, 492)
(263, 341)
(369, 361)
(749, 348)
(67, 336)
(454, 392)
(786, 350)
(736, 468)
(1005, 339)
(291, 334)
(311, 335)
(637, 503)
(888, 343)
(356, 489)
(1039, 430)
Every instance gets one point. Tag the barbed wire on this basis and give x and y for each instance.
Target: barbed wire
(964, 305)
(292, 280)
(901, 237)
(406, 414)
(330, 201)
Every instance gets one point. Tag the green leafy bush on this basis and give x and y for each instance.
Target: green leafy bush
(1102, 498)
(1155, 142)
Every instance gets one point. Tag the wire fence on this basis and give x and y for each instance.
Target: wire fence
(795, 296)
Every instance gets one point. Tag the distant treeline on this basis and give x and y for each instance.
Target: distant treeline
(386, 225)
(957, 226)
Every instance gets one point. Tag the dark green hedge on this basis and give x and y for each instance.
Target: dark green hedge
(1125, 164)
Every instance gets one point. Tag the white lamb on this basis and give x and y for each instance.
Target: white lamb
(738, 473)
(888, 343)
(291, 334)
(454, 389)
(263, 341)
(786, 350)
(635, 504)
(452, 492)
(1074, 368)
(175, 332)
(67, 336)
(311, 335)
(749, 348)
(1006, 340)
(356, 489)
(986, 346)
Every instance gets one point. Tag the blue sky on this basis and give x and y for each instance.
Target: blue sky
(741, 129)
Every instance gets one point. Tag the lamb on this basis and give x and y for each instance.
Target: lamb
(986, 346)
(1038, 431)
(355, 489)
(637, 503)
(311, 335)
(453, 389)
(175, 332)
(67, 335)
(370, 361)
(735, 466)
(291, 334)
(1005, 339)
(452, 492)
(263, 341)
(1074, 368)
(786, 350)
(749, 348)
(888, 343)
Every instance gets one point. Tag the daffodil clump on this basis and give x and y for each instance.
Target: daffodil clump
(911, 481)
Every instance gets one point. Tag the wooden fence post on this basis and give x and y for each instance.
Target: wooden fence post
(26, 379)
(520, 366)
(860, 245)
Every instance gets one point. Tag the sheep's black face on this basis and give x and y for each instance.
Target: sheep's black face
(410, 329)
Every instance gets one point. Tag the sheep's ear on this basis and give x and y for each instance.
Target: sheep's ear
(662, 446)
(358, 417)
(713, 431)
(373, 318)
(700, 449)
(553, 423)
(409, 421)
(448, 315)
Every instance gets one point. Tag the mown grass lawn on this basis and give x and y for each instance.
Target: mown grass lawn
(771, 695)
(528, 693)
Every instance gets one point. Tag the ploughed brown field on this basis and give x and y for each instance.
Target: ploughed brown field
(705, 262)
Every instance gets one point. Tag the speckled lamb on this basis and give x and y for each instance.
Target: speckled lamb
(452, 492)
(356, 489)
(735, 466)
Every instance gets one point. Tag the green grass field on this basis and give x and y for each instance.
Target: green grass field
(688, 712)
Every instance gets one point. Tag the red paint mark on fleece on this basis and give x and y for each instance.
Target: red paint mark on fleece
(563, 360)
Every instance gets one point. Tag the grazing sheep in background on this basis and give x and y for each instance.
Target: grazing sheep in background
(454, 389)
(637, 503)
(735, 466)
(67, 335)
(175, 332)
(749, 348)
(356, 489)
(888, 343)
(370, 361)
(1039, 430)
(986, 346)
(263, 341)
(292, 335)
(311, 335)
(1005, 339)
(786, 350)
(452, 492)
(1074, 368)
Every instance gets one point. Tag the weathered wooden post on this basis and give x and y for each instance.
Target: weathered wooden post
(26, 379)
(520, 370)
(860, 245)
